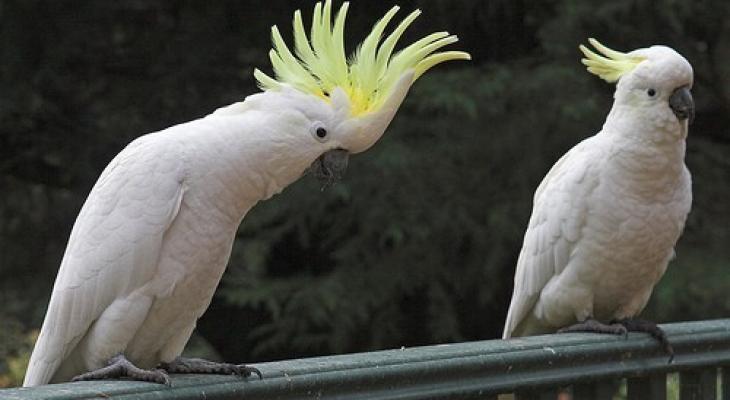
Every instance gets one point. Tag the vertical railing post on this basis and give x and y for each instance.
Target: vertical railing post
(652, 387)
(698, 384)
(542, 394)
(725, 382)
(601, 390)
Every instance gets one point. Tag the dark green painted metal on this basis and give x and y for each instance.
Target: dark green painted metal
(544, 394)
(473, 370)
(700, 384)
(599, 390)
(652, 387)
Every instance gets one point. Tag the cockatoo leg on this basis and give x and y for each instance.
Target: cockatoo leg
(642, 325)
(595, 326)
(181, 365)
(119, 367)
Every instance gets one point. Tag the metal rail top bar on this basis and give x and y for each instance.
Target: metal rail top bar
(460, 370)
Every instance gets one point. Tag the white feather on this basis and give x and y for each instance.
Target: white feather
(607, 216)
(151, 242)
(551, 233)
(113, 248)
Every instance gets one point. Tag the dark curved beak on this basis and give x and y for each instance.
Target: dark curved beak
(682, 104)
(330, 167)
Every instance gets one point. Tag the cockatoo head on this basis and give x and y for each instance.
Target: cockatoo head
(346, 104)
(656, 81)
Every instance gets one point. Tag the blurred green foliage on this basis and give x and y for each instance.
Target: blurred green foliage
(418, 244)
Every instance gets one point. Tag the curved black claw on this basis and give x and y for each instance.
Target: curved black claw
(183, 365)
(595, 326)
(119, 367)
(246, 371)
(642, 325)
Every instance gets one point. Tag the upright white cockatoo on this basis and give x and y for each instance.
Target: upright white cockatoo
(608, 214)
(155, 234)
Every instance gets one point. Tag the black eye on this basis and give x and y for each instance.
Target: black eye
(651, 92)
(319, 132)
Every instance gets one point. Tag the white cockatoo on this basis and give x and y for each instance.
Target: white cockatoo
(155, 234)
(607, 216)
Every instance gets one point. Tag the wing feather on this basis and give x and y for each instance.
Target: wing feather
(558, 215)
(113, 247)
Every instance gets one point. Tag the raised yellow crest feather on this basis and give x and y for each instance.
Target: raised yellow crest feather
(319, 64)
(611, 67)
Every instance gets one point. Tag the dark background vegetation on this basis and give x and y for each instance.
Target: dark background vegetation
(418, 244)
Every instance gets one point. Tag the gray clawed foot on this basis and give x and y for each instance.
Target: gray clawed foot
(199, 366)
(119, 367)
(623, 327)
(595, 326)
(641, 325)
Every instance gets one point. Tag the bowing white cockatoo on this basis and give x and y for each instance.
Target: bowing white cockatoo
(607, 216)
(155, 234)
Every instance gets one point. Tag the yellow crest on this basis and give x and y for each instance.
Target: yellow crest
(320, 64)
(611, 67)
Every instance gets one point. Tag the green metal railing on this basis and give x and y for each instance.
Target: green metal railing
(591, 366)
